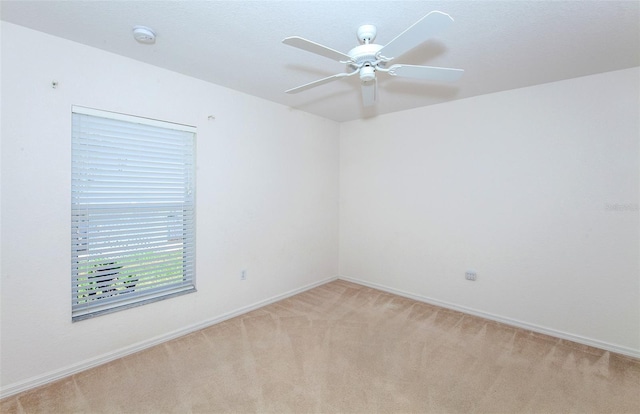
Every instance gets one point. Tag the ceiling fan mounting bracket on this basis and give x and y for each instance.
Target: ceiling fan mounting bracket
(367, 33)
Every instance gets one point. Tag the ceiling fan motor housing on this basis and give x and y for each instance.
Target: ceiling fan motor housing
(364, 58)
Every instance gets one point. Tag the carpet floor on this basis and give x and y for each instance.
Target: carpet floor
(346, 348)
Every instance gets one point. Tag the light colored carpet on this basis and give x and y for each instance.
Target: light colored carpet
(346, 348)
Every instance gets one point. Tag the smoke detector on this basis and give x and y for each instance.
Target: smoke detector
(144, 35)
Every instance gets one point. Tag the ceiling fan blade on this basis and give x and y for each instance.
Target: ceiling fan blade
(316, 48)
(426, 73)
(316, 83)
(420, 31)
(369, 92)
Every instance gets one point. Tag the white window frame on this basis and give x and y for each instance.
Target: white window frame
(132, 211)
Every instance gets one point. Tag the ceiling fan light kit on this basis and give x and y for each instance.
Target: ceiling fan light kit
(369, 58)
(367, 73)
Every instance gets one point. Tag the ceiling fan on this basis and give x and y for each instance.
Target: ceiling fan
(369, 58)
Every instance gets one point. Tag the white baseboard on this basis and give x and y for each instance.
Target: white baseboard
(507, 321)
(49, 377)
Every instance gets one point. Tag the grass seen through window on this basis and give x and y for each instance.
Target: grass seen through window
(104, 277)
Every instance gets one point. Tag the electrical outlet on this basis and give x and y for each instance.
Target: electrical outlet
(243, 275)
(471, 275)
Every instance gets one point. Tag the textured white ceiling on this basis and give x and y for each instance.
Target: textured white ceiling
(237, 44)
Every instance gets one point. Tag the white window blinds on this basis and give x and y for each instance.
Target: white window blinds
(133, 218)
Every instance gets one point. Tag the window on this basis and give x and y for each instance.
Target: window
(132, 211)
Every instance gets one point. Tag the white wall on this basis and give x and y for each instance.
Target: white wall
(536, 189)
(267, 202)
